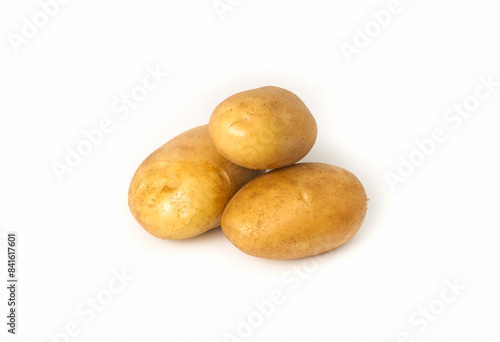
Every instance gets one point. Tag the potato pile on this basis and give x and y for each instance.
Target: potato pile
(214, 175)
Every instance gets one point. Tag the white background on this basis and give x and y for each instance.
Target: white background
(441, 224)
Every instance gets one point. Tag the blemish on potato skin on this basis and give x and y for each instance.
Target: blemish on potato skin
(305, 197)
(166, 188)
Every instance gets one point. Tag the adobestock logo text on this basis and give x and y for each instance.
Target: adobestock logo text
(455, 117)
(363, 36)
(121, 108)
(31, 26)
(427, 315)
(224, 6)
(262, 309)
(88, 309)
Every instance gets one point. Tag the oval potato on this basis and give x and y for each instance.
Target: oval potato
(297, 211)
(264, 128)
(182, 188)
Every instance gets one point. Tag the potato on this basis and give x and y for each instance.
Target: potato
(182, 188)
(294, 212)
(264, 128)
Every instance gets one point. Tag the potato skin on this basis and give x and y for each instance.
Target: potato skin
(297, 211)
(182, 188)
(263, 128)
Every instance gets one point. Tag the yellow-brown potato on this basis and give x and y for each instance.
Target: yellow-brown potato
(263, 128)
(294, 212)
(182, 188)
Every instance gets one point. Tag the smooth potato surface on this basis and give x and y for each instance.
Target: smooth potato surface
(263, 128)
(297, 211)
(182, 188)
